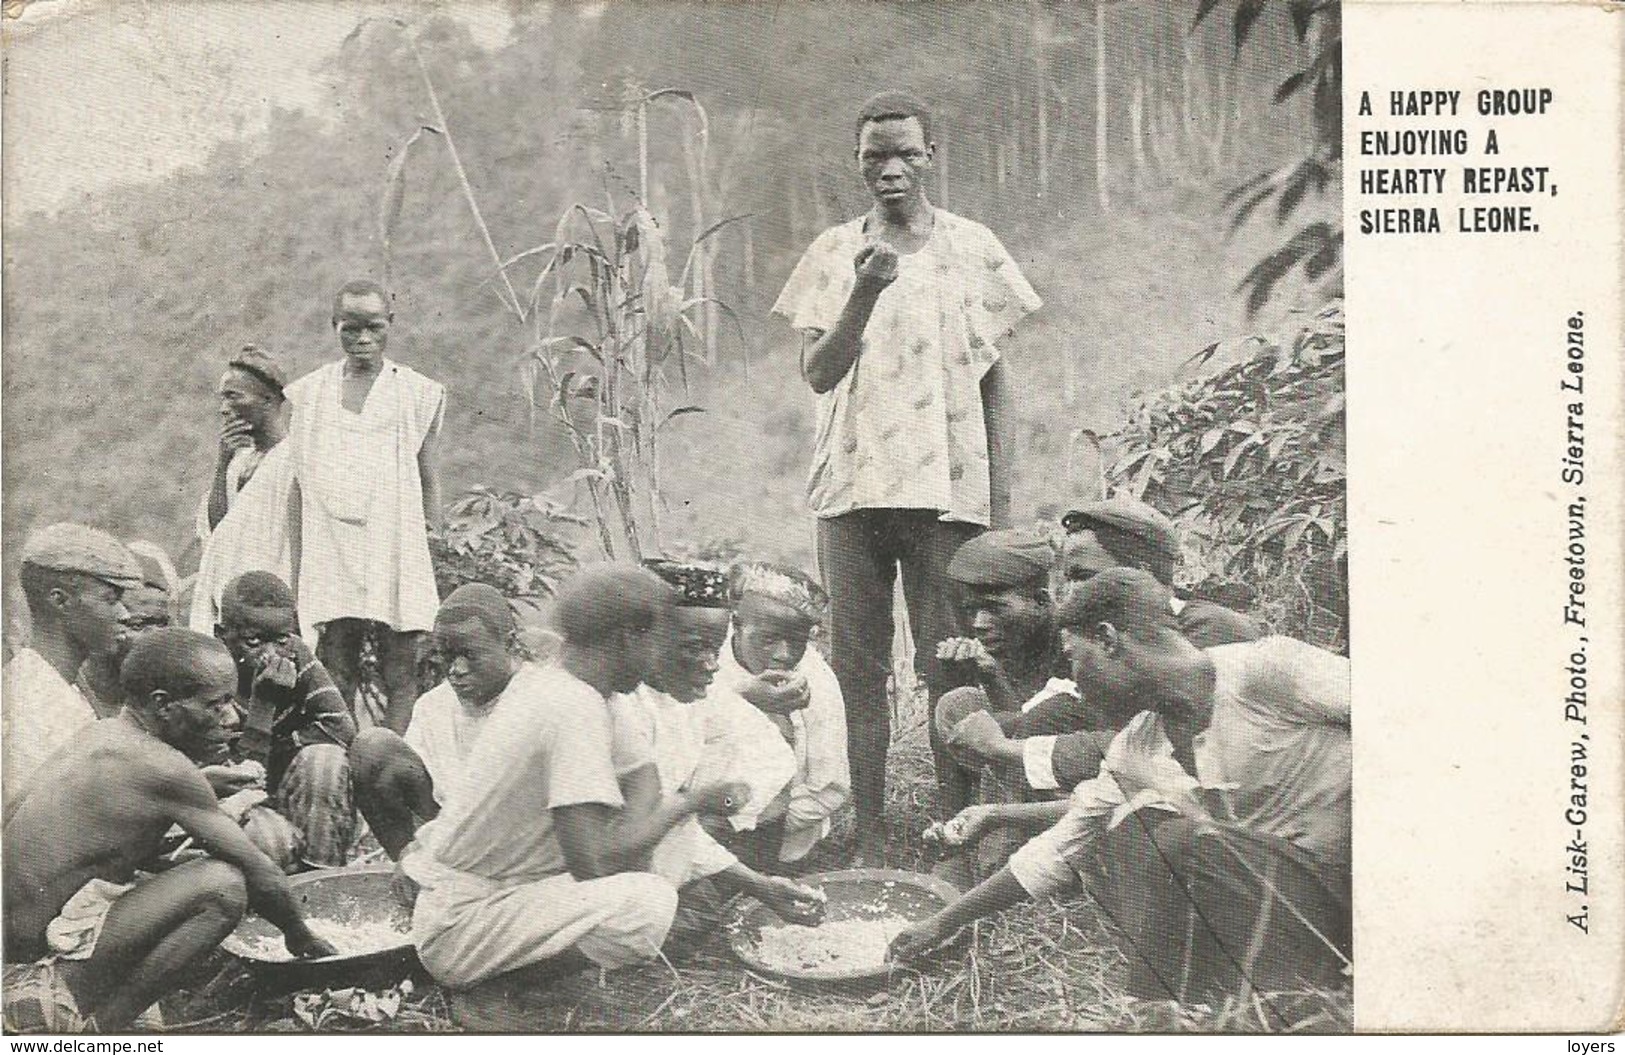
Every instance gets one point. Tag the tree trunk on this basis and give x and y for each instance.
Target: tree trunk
(1102, 168)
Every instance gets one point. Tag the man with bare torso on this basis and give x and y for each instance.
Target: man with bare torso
(108, 940)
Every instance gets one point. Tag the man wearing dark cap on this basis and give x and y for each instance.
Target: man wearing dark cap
(1116, 533)
(148, 607)
(246, 520)
(1011, 664)
(1217, 833)
(402, 782)
(900, 311)
(73, 578)
(1124, 532)
(295, 726)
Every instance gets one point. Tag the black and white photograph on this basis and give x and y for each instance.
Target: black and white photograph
(811, 516)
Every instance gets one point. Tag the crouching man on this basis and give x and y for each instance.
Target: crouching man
(90, 942)
(1217, 833)
(525, 873)
(663, 737)
(766, 659)
(402, 782)
(296, 727)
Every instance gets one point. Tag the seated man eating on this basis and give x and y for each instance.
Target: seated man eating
(1010, 666)
(296, 726)
(530, 868)
(1217, 832)
(660, 746)
(402, 782)
(738, 743)
(1119, 532)
(766, 659)
(109, 940)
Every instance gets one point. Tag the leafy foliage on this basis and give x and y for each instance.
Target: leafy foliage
(1250, 460)
(1316, 247)
(604, 372)
(517, 543)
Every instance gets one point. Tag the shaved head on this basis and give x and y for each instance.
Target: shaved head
(180, 662)
(608, 597)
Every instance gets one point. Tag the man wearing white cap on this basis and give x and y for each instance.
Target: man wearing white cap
(73, 578)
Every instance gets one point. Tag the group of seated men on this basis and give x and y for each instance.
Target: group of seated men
(683, 744)
(596, 808)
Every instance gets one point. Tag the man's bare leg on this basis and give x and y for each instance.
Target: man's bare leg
(392, 789)
(339, 649)
(154, 932)
(398, 669)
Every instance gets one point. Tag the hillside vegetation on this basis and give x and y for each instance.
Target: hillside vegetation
(120, 309)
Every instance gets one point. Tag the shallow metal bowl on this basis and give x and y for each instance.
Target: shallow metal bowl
(363, 894)
(857, 893)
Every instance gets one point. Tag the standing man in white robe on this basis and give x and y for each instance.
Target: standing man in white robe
(245, 521)
(366, 437)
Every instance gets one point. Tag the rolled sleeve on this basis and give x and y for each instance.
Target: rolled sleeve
(1038, 761)
(1040, 869)
(1049, 863)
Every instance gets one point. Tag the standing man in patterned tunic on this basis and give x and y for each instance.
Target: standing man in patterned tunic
(899, 310)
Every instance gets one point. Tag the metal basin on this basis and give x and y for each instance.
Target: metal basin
(344, 897)
(854, 894)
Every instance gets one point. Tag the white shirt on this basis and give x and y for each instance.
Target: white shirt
(546, 745)
(822, 782)
(650, 726)
(1277, 752)
(444, 730)
(41, 713)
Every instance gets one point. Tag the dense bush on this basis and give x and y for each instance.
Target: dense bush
(1250, 460)
(517, 543)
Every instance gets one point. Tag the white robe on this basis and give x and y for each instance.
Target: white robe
(364, 547)
(39, 714)
(252, 536)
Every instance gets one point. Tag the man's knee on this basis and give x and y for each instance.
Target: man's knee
(275, 836)
(956, 705)
(646, 897)
(325, 768)
(219, 888)
(644, 907)
(376, 755)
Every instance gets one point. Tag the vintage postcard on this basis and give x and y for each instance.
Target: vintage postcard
(812, 517)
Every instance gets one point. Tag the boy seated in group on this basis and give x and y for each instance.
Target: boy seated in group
(661, 753)
(737, 742)
(96, 927)
(766, 659)
(401, 782)
(293, 753)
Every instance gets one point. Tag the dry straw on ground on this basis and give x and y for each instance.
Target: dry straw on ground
(1043, 966)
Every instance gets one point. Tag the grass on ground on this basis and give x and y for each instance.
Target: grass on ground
(1043, 966)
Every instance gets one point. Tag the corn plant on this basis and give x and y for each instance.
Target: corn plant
(609, 330)
(611, 338)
